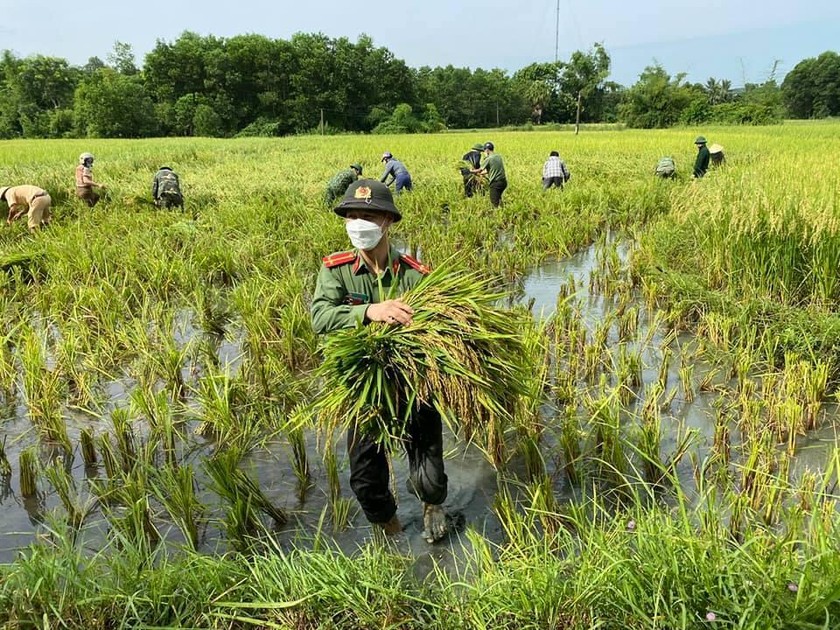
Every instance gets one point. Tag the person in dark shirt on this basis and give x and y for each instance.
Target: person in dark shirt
(701, 164)
(473, 158)
(397, 171)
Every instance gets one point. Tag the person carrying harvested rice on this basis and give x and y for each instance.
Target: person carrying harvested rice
(26, 198)
(359, 287)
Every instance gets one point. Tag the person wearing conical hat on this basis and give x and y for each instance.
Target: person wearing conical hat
(361, 286)
(472, 160)
(716, 152)
(27, 199)
(701, 164)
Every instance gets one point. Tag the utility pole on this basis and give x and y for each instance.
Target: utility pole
(557, 34)
(322, 121)
(577, 118)
(497, 115)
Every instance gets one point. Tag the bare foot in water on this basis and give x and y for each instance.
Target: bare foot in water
(434, 522)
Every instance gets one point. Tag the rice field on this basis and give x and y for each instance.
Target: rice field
(671, 461)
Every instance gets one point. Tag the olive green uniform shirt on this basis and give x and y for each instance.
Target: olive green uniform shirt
(346, 287)
(495, 168)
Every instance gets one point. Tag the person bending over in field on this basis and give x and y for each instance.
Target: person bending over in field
(337, 186)
(399, 174)
(666, 168)
(351, 291)
(84, 180)
(26, 198)
(166, 189)
(555, 172)
(716, 154)
(472, 161)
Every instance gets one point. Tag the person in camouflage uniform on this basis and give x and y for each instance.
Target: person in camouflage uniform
(340, 181)
(353, 289)
(166, 189)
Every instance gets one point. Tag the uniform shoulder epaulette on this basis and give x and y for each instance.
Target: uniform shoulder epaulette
(414, 264)
(338, 259)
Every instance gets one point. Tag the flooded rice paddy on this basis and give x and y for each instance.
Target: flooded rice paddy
(571, 284)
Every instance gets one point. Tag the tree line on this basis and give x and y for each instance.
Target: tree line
(255, 85)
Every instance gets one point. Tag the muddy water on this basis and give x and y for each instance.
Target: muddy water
(473, 483)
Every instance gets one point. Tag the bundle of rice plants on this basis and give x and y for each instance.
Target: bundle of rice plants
(462, 354)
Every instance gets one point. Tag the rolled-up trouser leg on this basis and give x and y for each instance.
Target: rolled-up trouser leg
(369, 477)
(424, 445)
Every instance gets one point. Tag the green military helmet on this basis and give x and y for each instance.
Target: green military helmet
(700, 140)
(368, 194)
(357, 168)
(478, 146)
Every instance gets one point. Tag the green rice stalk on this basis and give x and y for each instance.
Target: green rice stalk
(5, 466)
(175, 488)
(88, 448)
(462, 354)
(28, 463)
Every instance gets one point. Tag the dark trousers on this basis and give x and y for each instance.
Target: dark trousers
(548, 182)
(369, 476)
(402, 183)
(496, 190)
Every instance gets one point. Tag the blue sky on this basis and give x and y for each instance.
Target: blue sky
(734, 39)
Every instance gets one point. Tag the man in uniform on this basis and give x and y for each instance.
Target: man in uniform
(354, 289)
(166, 189)
(401, 178)
(84, 180)
(26, 198)
(337, 186)
(494, 167)
(472, 161)
(701, 164)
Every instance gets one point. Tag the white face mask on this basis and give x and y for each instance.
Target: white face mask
(363, 234)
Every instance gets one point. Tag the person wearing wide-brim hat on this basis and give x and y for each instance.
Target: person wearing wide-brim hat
(27, 199)
(716, 152)
(361, 286)
(340, 181)
(701, 164)
(472, 160)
